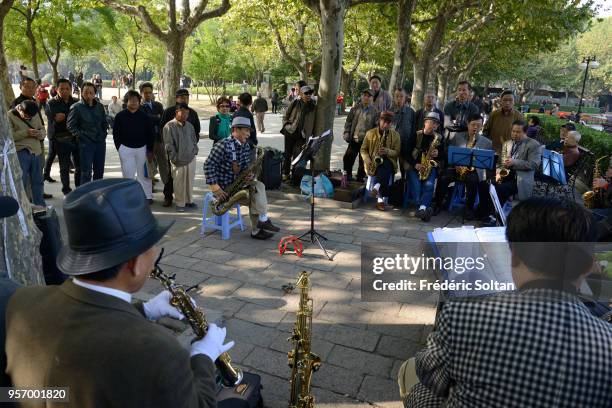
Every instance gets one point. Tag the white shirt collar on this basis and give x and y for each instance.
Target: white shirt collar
(103, 289)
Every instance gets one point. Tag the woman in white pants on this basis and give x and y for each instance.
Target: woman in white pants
(133, 134)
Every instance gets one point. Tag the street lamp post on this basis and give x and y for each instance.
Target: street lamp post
(586, 62)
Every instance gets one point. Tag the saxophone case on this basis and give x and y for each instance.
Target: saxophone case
(247, 394)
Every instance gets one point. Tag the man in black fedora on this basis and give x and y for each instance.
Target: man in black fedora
(86, 334)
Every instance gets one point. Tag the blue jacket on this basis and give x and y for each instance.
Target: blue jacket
(88, 123)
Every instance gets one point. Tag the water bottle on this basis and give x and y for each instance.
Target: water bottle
(343, 181)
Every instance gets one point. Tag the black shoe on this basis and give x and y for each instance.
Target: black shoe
(268, 226)
(191, 205)
(261, 234)
(468, 214)
(167, 203)
(66, 191)
(419, 213)
(50, 180)
(427, 214)
(47, 196)
(437, 209)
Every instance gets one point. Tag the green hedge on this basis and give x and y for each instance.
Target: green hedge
(600, 143)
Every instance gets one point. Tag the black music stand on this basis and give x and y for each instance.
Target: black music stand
(476, 158)
(308, 153)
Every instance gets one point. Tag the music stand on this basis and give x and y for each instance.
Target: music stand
(308, 153)
(476, 158)
(552, 166)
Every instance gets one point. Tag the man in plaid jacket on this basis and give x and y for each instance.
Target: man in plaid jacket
(537, 347)
(226, 161)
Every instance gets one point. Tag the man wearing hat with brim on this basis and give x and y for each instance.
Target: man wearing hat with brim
(423, 190)
(227, 160)
(182, 96)
(181, 144)
(87, 335)
(298, 126)
(361, 118)
(383, 142)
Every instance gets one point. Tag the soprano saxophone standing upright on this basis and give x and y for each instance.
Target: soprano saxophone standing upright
(301, 360)
(230, 376)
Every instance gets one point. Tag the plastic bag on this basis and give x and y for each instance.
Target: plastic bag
(323, 186)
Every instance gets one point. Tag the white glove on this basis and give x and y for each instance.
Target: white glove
(160, 306)
(212, 344)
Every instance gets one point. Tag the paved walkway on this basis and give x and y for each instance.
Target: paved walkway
(361, 344)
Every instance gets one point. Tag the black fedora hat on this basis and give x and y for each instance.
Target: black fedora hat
(109, 222)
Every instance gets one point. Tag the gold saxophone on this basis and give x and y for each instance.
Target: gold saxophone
(230, 376)
(504, 172)
(378, 160)
(594, 198)
(427, 161)
(301, 360)
(238, 190)
(462, 171)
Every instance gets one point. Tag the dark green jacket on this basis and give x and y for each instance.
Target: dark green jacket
(88, 123)
(103, 349)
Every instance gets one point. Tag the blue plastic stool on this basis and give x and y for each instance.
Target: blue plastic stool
(370, 185)
(223, 223)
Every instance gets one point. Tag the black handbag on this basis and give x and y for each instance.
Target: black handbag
(50, 245)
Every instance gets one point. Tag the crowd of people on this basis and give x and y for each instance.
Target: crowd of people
(515, 362)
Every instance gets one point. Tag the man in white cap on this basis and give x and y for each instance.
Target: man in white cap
(227, 160)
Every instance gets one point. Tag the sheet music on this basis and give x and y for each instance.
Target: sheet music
(313, 143)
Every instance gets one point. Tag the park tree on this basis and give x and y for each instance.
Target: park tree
(5, 7)
(125, 43)
(171, 25)
(290, 24)
(28, 11)
(597, 42)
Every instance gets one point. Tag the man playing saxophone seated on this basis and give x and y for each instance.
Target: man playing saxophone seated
(226, 161)
(380, 149)
(475, 179)
(521, 157)
(425, 162)
(602, 200)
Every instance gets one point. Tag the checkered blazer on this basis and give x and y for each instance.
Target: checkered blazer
(535, 348)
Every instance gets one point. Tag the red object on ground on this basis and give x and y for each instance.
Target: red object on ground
(291, 239)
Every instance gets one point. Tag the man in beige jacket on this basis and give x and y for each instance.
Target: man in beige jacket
(28, 132)
(382, 143)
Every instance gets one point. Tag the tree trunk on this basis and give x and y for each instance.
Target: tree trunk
(174, 67)
(418, 88)
(30, 35)
(19, 247)
(402, 43)
(443, 75)
(332, 49)
(303, 70)
(7, 89)
(55, 72)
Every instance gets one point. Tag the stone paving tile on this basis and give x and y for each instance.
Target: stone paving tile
(258, 335)
(332, 377)
(352, 337)
(217, 286)
(345, 314)
(213, 255)
(269, 361)
(213, 268)
(261, 295)
(380, 391)
(398, 347)
(249, 263)
(228, 305)
(407, 331)
(396, 366)
(260, 315)
(178, 261)
(240, 351)
(358, 361)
